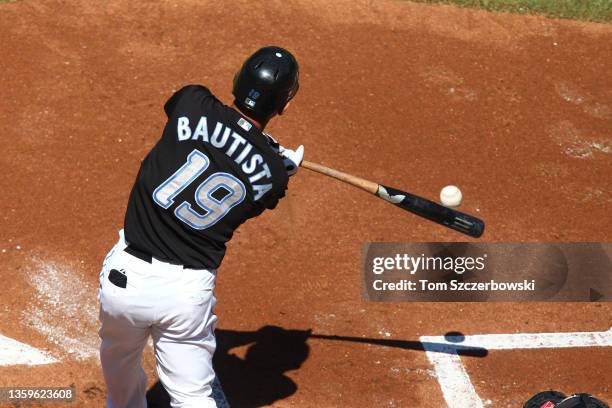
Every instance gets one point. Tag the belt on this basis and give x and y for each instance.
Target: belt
(149, 258)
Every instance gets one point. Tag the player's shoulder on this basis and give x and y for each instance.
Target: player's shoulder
(194, 91)
(189, 98)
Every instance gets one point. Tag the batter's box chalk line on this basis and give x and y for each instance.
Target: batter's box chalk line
(443, 353)
(70, 322)
(13, 352)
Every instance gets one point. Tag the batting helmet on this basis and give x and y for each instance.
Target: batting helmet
(555, 399)
(546, 399)
(266, 82)
(582, 401)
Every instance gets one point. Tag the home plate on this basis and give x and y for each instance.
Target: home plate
(13, 352)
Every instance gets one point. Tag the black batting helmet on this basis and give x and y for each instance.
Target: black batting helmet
(267, 80)
(556, 399)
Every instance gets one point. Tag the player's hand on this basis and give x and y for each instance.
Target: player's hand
(292, 158)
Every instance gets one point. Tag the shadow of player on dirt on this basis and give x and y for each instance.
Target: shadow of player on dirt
(451, 337)
(258, 377)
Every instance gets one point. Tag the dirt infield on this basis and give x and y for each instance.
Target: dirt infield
(515, 110)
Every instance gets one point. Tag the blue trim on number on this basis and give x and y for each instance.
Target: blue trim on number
(217, 187)
(194, 153)
(231, 190)
(187, 206)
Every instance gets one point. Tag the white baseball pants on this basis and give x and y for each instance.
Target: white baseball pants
(174, 306)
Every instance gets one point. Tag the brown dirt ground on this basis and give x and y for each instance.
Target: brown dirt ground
(516, 110)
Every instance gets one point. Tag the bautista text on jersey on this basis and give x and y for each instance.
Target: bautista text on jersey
(234, 146)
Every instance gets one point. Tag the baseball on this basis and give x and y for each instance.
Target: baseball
(450, 196)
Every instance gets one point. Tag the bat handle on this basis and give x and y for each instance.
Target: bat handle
(359, 182)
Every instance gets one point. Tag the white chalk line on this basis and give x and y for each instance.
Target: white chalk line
(64, 310)
(457, 388)
(13, 352)
(65, 313)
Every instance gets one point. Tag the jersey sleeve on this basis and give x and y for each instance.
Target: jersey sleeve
(272, 142)
(185, 95)
(270, 201)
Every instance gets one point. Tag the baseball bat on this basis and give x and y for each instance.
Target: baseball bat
(420, 206)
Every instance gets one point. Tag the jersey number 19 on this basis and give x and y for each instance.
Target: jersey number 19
(216, 195)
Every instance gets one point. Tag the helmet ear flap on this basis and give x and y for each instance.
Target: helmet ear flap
(282, 108)
(292, 93)
(295, 88)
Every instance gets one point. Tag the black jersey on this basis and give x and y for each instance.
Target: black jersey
(210, 172)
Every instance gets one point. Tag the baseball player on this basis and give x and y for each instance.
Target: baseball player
(212, 169)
